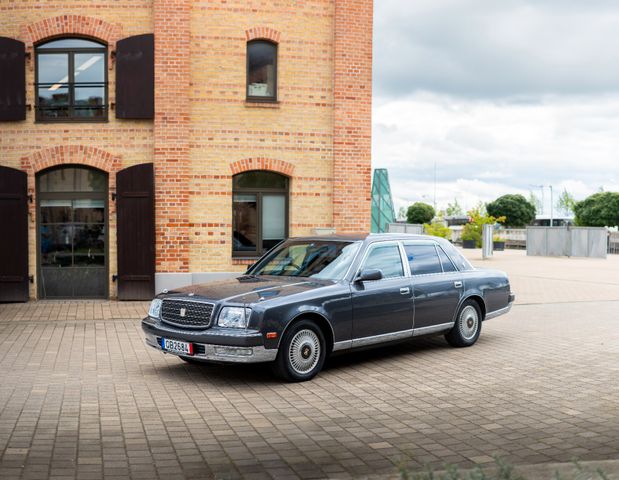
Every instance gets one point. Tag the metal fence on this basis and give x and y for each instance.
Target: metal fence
(613, 243)
(567, 241)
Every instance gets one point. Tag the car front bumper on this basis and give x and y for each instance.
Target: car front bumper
(222, 345)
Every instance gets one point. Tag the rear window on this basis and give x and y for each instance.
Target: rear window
(456, 257)
(423, 259)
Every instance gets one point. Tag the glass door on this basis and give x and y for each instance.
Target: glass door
(72, 240)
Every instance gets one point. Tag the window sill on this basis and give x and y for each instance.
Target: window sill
(262, 104)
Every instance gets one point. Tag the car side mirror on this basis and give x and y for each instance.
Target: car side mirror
(369, 275)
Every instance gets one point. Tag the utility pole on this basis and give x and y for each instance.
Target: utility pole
(551, 206)
(435, 184)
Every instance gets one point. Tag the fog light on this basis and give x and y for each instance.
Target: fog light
(233, 351)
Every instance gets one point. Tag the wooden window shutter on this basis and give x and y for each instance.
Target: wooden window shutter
(12, 80)
(135, 77)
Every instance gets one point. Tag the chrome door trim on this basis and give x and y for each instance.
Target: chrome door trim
(496, 313)
(432, 329)
(343, 345)
(385, 337)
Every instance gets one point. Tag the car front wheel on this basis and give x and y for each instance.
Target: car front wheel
(301, 353)
(467, 328)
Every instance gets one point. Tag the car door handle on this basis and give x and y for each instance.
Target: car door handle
(457, 284)
(405, 291)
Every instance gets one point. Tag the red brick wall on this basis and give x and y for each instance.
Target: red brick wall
(352, 140)
(172, 113)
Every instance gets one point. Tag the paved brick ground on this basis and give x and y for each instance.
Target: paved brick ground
(81, 397)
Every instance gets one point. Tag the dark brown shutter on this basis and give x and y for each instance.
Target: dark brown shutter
(12, 80)
(135, 77)
(14, 236)
(135, 207)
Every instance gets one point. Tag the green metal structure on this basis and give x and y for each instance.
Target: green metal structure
(383, 212)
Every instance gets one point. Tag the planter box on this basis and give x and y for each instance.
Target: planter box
(468, 243)
(498, 246)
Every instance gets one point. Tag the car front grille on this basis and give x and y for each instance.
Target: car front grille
(186, 313)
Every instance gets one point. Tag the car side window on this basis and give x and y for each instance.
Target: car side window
(385, 258)
(448, 266)
(423, 259)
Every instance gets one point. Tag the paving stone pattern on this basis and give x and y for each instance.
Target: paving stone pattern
(82, 397)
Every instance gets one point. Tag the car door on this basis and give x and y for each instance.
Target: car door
(436, 283)
(382, 307)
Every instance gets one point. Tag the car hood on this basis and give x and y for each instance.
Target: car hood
(250, 288)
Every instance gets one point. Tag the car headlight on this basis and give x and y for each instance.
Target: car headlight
(155, 308)
(234, 317)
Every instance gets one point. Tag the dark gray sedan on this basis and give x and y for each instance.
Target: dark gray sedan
(310, 297)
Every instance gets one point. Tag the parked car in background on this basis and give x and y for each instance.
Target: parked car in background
(310, 297)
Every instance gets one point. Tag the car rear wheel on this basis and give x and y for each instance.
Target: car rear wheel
(467, 328)
(301, 353)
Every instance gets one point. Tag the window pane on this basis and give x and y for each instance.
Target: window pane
(55, 211)
(72, 180)
(71, 43)
(89, 101)
(53, 68)
(423, 259)
(53, 97)
(447, 265)
(89, 239)
(273, 220)
(245, 223)
(88, 211)
(89, 260)
(385, 258)
(259, 179)
(56, 244)
(261, 69)
(89, 67)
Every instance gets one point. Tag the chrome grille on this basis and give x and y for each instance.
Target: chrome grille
(185, 313)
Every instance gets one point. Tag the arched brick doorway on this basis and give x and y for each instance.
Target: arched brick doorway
(72, 232)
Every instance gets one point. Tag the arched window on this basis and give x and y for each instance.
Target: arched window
(261, 71)
(71, 80)
(259, 212)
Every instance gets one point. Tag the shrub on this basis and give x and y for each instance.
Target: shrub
(420, 213)
(516, 209)
(599, 210)
(437, 229)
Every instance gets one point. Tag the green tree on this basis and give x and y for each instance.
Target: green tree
(477, 219)
(420, 212)
(516, 209)
(534, 200)
(566, 202)
(454, 209)
(599, 210)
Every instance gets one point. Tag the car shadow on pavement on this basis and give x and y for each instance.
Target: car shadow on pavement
(227, 374)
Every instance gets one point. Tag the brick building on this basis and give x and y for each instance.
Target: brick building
(153, 143)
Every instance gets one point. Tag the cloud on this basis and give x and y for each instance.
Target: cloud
(485, 148)
(514, 50)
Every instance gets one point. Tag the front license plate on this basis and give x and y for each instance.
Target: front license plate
(175, 346)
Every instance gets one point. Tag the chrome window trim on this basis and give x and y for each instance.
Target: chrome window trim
(448, 258)
(370, 247)
(423, 243)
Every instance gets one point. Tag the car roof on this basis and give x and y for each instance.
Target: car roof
(368, 237)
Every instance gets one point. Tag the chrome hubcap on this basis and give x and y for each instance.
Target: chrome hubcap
(469, 322)
(304, 351)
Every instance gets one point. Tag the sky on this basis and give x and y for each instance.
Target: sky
(496, 96)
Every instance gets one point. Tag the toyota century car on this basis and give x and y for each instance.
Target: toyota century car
(310, 297)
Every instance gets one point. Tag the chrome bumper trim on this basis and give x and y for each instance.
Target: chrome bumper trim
(499, 312)
(217, 353)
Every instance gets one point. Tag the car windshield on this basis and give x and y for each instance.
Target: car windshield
(328, 260)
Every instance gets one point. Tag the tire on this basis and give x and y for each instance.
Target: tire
(302, 352)
(467, 328)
